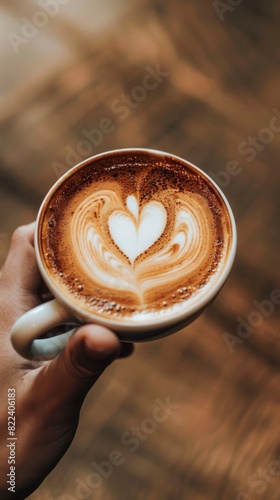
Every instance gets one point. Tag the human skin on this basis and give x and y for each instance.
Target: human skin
(49, 394)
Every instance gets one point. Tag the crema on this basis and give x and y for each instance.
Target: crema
(135, 235)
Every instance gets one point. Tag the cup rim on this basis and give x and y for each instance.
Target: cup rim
(124, 324)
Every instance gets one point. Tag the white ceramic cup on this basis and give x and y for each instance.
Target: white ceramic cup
(26, 332)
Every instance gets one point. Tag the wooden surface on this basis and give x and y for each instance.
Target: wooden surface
(221, 441)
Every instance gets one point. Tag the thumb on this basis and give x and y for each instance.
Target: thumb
(68, 378)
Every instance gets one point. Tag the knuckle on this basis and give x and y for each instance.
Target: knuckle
(19, 234)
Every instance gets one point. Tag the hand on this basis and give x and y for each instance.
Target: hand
(49, 395)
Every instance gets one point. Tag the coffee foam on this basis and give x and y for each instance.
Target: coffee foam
(134, 233)
(135, 236)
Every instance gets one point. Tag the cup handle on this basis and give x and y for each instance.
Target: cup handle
(28, 328)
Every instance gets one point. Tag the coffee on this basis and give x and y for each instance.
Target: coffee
(135, 236)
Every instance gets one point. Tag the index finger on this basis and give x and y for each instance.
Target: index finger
(20, 269)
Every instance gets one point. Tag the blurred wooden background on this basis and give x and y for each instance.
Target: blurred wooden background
(221, 86)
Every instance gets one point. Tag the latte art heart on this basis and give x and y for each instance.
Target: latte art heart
(135, 240)
(134, 236)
